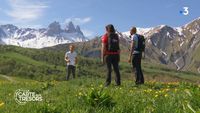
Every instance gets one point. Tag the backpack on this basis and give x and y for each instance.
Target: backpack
(113, 42)
(141, 43)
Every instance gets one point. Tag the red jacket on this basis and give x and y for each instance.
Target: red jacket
(104, 40)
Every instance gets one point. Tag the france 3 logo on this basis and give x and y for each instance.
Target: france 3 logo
(185, 11)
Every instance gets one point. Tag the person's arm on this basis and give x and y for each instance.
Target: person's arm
(103, 50)
(119, 48)
(66, 59)
(131, 52)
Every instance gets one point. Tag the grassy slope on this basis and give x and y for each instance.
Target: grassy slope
(68, 96)
(23, 56)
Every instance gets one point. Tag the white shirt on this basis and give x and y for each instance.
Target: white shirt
(71, 57)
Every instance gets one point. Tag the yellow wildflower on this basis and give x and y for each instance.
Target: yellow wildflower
(80, 94)
(1, 104)
(166, 95)
(167, 89)
(156, 96)
(168, 86)
(101, 86)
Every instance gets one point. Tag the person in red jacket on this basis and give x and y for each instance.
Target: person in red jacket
(110, 54)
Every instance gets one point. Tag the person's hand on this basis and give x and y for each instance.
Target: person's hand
(102, 60)
(68, 61)
(129, 60)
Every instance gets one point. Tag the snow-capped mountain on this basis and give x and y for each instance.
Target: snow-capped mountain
(177, 47)
(40, 38)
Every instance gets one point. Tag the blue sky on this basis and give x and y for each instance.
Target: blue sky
(93, 15)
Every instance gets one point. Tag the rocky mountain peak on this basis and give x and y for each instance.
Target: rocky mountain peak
(78, 29)
(193, 27)
(54, 28)
(70, 27)
(9, 28)
(2, 33)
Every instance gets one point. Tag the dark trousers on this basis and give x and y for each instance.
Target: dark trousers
(112, 60)
(136, 62)
(70, 68)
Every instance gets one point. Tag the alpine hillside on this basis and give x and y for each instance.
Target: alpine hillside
(175, 47)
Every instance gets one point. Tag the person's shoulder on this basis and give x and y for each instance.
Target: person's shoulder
(104, 38)
(135, 36)
(68, 52)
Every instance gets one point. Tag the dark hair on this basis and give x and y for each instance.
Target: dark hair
(110, 28)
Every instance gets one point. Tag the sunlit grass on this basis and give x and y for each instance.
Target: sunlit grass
(89, 95)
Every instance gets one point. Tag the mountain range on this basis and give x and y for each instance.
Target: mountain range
(40, 38)
(175, 47)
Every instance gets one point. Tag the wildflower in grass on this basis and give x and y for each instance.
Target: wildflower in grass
(80, 94)
(148, 90)
(188, 92)
(166, 95)
(156, 96)
(1, 104)
(9, 94)
(101, 86)
(165, 90)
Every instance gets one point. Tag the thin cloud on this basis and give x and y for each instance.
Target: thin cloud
(79, 21)
(26, 10)
(88, 33)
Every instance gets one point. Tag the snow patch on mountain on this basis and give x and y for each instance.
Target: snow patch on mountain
(40, 38)
(141, 31)
(179, 30)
